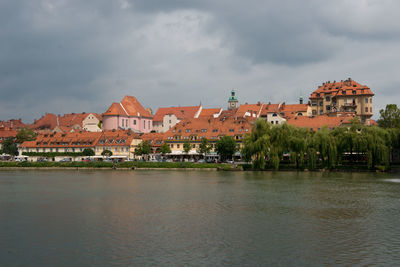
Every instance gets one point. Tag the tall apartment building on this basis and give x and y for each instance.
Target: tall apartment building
(335, 98)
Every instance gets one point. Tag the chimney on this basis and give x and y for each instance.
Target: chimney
(301, 100)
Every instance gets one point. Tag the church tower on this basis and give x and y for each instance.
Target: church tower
(233, 102)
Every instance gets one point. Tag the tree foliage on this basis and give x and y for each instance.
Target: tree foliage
(88, 152)
(9, 147)
(226, 147)
(25, 134)
(325, 148)
(165, 149)
(144, 148)
(390, 117)
(106, 153)
(187, 146)
(205, 146)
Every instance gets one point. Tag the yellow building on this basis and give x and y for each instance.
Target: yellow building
(334, 98)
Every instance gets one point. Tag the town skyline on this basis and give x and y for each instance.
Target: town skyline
(69, 56)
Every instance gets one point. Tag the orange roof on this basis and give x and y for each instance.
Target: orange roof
(78, 139)
(286, 110)
(114, 110)
(317, 122)
(210, 128)
(209, 112)
(13, 124)
(7, 133)
(116, 138)
(251, 108)
(180, 112)
(129, 106)
(48, 121)
(155, 139)
(342, 88)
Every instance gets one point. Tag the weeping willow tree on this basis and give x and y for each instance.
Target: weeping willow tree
(257, 144)
(323, 148)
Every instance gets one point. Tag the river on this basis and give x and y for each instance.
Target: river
(198, 218)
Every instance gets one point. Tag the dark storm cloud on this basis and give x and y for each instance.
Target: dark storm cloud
(71, 56)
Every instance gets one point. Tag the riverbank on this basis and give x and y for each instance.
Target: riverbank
(116, 166)
(189, 166)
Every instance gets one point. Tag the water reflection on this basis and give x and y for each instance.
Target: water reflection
(163, 218)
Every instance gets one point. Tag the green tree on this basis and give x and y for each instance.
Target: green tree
(187, 146)
(257, 144)
(165, 149)
(205, 146)
(144, 148)
(9, 147)
(106, 153)
(88, 152)
(390, 117)
(226, 147)
(25, 134)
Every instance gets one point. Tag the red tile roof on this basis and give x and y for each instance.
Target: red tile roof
(78, 139)
(318, 122)
(251, 108)
(210, 128)
(48, 121)
(285, 110)
(347, 87)
(7, 133)
(180, 112)
(155, 139)
(13, 124)
(209, 112)
(129, 106)
(116, 138)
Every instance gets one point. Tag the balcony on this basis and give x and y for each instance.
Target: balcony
(352, 104)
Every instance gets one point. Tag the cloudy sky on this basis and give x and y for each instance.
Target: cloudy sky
(65, 56)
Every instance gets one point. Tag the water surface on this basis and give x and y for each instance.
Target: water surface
(198, 218)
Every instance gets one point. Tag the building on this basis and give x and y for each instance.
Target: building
(249, 110)
(68, 122)
(344, 96)
(118, 142)
(233, 103)
(194, 130)
(128, 114)
(92, 122)
(166, 118)
(5, 133)
(59, 143)
(280, 113)
(12, 124)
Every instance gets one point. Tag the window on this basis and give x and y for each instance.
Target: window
(370, 100)
(134, 122)
(188, 130)
(321, 104)
(314, 112)
(345, 100)
(178, 146)
(370, 110)
(314, 104)
(203, 130)
(272, 122)
(274, 115)
(169, 121)
(328, 98)
(144, 124)
(149, 125)
(276, 122)
(321, 112)
(328, 108)
(366, 109)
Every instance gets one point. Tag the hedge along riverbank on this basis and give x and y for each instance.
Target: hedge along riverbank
(99, 164)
